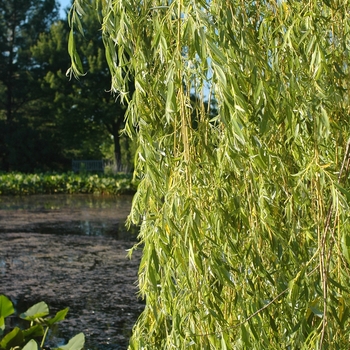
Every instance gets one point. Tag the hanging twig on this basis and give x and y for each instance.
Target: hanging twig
(324, 269)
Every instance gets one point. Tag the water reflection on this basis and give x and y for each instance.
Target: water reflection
(70, 251)
(62, 201)
(67, 214)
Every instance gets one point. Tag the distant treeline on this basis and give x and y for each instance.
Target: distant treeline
(46, 118)
(65, 183)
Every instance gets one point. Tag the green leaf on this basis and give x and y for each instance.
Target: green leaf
(294, 286)
(245, 337)
(220, 74)
(75, 17)
(171, 100)
(33, 332)
(60, 316)
(344, 317)
(12, 339)
(77, 66)
(6, 307)
(316, 312)
(216, 53)
(31, 345)
(76, 343)
(325, 119)
(36, 311)
(345, 245)
(2, 325)
(343, 191)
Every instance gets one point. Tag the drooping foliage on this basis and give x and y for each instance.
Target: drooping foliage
(245, 214)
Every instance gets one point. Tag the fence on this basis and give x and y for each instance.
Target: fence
(89, 165)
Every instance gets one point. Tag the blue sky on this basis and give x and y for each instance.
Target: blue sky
(64, 4)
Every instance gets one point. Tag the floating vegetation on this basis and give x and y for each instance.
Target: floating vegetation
(67, 183)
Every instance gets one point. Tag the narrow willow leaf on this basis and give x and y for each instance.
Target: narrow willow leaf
(343, 191)
(79, 8)
(217, 55)
(257, 92)
(223, 343)
(237, 131)
(170, 107)
(325, 119)
(316, 312)
(77, 66)
(220, 74)
(245, 337)
(344, 316)
(345, 244)
(76, 22)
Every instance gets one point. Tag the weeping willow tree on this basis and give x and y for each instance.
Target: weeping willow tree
(244, 214)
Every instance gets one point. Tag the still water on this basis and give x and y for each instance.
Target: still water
(71, 251)
(67, 214)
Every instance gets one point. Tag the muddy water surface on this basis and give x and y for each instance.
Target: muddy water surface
(70, 251)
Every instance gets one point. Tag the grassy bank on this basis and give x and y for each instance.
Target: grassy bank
(68, 183)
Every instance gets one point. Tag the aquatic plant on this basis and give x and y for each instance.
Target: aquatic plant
(69, 183)
(39, 325)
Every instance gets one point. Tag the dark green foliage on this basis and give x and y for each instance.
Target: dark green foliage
(54, 183)
(87, 115)
(21, 22)
(46, 120)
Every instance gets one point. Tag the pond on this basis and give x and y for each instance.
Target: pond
(71, 251)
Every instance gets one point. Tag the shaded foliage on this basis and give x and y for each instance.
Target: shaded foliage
(20, 25)
(46, 119)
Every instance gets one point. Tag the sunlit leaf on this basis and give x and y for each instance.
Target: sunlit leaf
(345, 244)
(60, 316)
(76, 343)
(36, 311)
(241, 120)
(31, 345)
(6, 306)
(12, 339)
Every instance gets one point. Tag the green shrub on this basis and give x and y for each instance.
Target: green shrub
(67, 183)
(39, 325)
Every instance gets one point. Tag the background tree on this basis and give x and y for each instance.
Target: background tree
(20, 25)
(67, 109)
(46, 120)
(244, 217)
(88, 116)
(101, 106)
